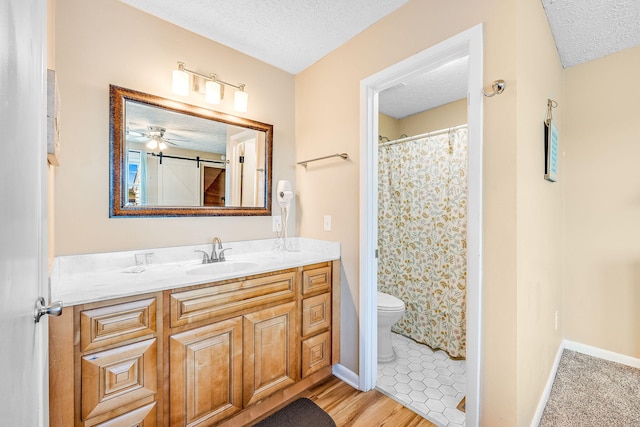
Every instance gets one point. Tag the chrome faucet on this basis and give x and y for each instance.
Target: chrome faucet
(205, 257)
(214, 257)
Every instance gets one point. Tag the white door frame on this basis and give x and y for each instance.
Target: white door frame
(469, 42)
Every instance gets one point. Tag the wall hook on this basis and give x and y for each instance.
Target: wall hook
(497, 88)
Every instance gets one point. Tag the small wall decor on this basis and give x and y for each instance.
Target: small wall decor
(550, 144)
(53, 119)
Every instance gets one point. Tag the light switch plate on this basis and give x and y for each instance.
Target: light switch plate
(327, 223)
(276, 223)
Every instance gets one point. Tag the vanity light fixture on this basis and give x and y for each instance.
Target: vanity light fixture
(240, 100)
(213, 91)
(180, 81)
(211, 86)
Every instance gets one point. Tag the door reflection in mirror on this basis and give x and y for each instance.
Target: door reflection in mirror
(203, 163)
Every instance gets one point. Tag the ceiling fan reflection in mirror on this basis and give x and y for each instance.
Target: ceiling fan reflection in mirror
(155, 137)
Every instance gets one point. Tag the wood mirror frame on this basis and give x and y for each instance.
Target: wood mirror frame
(118, 157)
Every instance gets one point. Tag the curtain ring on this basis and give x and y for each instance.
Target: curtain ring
(497, 88)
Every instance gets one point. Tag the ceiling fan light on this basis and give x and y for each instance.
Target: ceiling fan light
(153, 144)
(180, 81)
(212, 92)
(241, 101)
(162, 146)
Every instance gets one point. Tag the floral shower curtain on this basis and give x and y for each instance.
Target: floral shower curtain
(422, 236)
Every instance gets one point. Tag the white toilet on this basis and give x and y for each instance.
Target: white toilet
(390, 310)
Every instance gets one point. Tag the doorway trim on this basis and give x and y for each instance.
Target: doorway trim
(469, 42)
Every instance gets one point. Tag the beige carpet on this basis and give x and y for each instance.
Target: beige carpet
(592, 392)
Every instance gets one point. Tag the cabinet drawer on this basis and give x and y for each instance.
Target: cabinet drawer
(114, 378)
(316, 353)
(316, 314)
(316, 280)
(217, 300)
(141, 417)
(104, 326)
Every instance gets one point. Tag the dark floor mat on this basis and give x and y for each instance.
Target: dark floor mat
(302, 412)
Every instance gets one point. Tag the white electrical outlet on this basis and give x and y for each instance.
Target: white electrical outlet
(327, 223)
(276, 223)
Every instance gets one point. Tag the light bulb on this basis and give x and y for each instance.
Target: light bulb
(241, 99)
(162, 145)
(180, 81)
(153, 144)
(212, 92)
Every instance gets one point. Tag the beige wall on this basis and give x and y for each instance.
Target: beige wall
(539, 209)
(106, 42)
(424, 23)
(445, 116)
(388, 126)
(442, 117)
(602, 295)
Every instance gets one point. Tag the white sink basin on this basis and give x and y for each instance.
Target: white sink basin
(224, 267)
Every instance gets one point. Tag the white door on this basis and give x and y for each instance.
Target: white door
(23, 248)
(178, 183)
(243, 176)
(249, 178)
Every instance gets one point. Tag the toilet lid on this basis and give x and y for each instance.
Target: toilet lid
(388, 302)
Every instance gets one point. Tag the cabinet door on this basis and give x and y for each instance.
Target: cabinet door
(205, 373)
(269, 351)
(113, 378)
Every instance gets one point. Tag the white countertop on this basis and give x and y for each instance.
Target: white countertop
(81, 279)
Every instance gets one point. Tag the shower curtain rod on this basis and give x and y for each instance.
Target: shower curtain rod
(424, 135)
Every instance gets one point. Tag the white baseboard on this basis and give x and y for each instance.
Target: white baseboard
(346, 375)
(584, 349)
(547, 388)
(602, 354)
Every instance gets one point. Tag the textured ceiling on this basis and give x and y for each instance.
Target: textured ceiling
(288, 34)
(445, 84)
(181, 130)
(293, 34)
(589, 29)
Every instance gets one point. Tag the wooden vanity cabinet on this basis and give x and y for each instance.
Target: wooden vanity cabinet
(104, 360)
(219, 364)
(222, 353)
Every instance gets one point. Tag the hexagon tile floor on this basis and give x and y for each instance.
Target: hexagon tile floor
(426, 381)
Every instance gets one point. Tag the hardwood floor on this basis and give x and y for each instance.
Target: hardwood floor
(350, 407)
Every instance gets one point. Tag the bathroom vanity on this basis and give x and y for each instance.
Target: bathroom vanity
(180, 343)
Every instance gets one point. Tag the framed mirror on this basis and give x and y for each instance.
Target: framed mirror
(174, 159)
